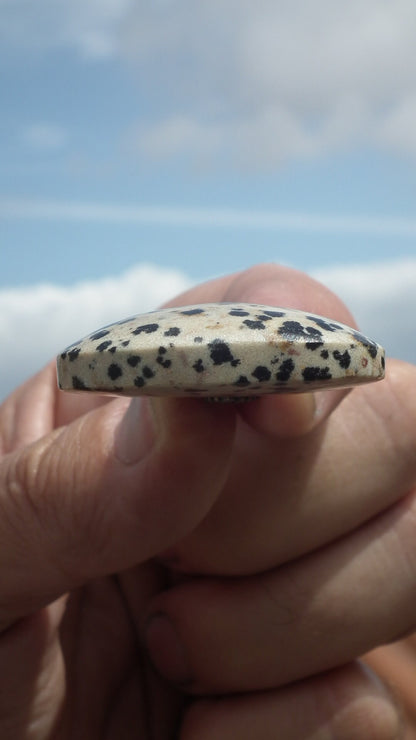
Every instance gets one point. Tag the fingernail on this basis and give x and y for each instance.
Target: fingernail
(166, 650)
(136, 432)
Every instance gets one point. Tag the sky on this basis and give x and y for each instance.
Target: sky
(145, 147)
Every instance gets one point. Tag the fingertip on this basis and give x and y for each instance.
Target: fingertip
(281, 416)
(287, 416)
(280, 285)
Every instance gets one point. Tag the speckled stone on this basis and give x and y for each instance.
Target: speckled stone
(220, 350)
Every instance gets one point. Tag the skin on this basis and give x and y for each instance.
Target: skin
(272, 597)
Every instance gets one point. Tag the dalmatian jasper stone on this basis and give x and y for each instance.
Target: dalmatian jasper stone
(220, 350)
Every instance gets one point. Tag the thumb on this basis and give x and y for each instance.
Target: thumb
(110, 490)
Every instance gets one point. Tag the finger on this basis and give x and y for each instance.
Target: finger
(346, 703)
(284, 499)
(321, 611)
(28, 413)
(279, 286)
(108, 491)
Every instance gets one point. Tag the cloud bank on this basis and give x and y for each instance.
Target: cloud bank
(37, 322)
(251, 84)
(262, 83)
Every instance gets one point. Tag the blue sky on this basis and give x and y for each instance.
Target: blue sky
(204, 137)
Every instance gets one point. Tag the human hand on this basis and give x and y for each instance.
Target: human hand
(72, 493)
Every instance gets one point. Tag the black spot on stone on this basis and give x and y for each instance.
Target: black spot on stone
(73, 354)
(344, 358)
(313, 345)
(370, 346)
(63, 355)
(254, 324)
(164, 363)
(78, 384)
(311, 374)
(242, 381)
(146, 329)
(162, 350)
(263, 317)
(125, 343)
(148, 372)
(220, 352)
(325, 325)
(112, 350)
(198, 366)
(99, 335)
(275, 314)
(383, 363)
(324, 354)
(114, 371)
(192, 312)
(104, 345)
(198, 340)
(261, 373)
(238, 312)
(294, 331)
(139, 382)
(134, 360)
(172, 332)
(286, 369)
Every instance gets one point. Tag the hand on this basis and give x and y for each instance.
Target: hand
(93, 498)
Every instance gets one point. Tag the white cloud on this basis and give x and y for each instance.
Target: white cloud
(276, 79)
(382, 298)
(39, 321)
(254, 83)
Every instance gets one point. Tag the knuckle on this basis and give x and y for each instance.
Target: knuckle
(26, 480)
(21, 483)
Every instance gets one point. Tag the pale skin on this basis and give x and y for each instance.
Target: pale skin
(285, 529)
